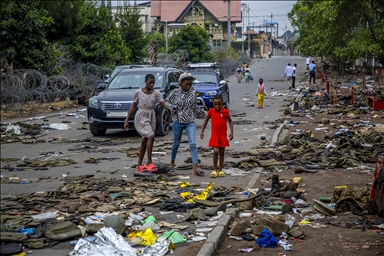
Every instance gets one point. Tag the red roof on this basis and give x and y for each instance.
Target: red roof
(170, 10)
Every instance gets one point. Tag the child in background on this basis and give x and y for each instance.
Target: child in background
(260, 93)
(219, 140)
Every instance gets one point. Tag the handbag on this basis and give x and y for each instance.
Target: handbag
(251, 78)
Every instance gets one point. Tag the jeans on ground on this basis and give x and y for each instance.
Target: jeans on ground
(177, 129)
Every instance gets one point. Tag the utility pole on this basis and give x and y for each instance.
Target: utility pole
(166, 36)
(242, 30)
(229, 23)
(249, 35)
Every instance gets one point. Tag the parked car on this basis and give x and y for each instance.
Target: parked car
(109, 108)
(209, 82)
(109, 77)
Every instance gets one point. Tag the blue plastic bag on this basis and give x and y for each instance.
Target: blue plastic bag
(266, 239)
(251, 78)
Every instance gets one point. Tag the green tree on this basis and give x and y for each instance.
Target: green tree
(67, 19)
(98, 41)
(195, 41)
(339, 30)
(130, 27)
(23, 36)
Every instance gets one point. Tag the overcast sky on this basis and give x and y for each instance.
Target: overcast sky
(262, 10)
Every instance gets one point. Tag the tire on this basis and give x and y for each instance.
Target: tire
(162, 122)
(227, 104)
(97, 131)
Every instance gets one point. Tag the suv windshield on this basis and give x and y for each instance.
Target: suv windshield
(134, 80)
(205, 78)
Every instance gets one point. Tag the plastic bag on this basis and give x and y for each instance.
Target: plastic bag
(266, 239)
(251, 77)
(13, 129)
(174, 237)
(147, 235)
(289, 220)
(46, 215)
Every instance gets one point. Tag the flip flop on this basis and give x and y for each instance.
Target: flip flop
(199, 173)
(151, 168)
(142, 168)
(171, 172)
(221, 174)
(213, 174)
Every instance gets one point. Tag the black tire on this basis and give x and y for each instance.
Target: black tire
(97, 131)
(228, 102)
(162, 122)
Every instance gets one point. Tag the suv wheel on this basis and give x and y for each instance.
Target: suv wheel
(97, 131)
(162, 124)
(227, 104)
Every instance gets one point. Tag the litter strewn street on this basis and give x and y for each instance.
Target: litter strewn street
(302, 174)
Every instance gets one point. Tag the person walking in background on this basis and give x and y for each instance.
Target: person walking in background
(312, 72)
(260, 93)
(145, 120)
(308, 61)
(219, 140)
(288, 74)
(182, 102)
(247, 74)
(270, 53)
(294, 75)
(239, 74)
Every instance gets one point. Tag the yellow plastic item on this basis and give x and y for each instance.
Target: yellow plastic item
(296, 179)
(305, 222)
(147, 236)
(185, 194)
(340, 187)
(205, 193)
(184, 184)
(20, 254)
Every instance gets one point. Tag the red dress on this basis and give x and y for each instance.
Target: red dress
(219, 135)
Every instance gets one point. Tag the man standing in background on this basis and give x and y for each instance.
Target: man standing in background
(294, 75)
(312, 72)
(288, 74)
(308, 61)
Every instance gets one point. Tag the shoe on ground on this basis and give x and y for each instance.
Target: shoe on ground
(238, 228)
(277, 227)
(213, 174)
(256, 229)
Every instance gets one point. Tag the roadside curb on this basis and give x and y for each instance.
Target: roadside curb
(216, 238)
(276, 134)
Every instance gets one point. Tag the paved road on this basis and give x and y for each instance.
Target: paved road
(246, 136)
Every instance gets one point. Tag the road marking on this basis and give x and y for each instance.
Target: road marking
(254, 178)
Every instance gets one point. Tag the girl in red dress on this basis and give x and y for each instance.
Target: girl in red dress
(219, 139)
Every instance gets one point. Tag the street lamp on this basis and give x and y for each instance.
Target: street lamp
(166, 36)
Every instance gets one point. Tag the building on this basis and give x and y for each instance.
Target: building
(210, 15)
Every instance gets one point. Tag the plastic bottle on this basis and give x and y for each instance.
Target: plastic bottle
(245, 214)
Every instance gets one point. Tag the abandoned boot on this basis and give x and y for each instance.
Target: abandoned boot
(256, 229)
(238, 228)
(278, 227)
(276, 183)
(214, 211)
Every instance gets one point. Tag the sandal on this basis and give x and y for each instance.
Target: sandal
(171, 172)
(141, 168)
(213, 174)
(221, 174)
(151, 168)
(199, 173)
